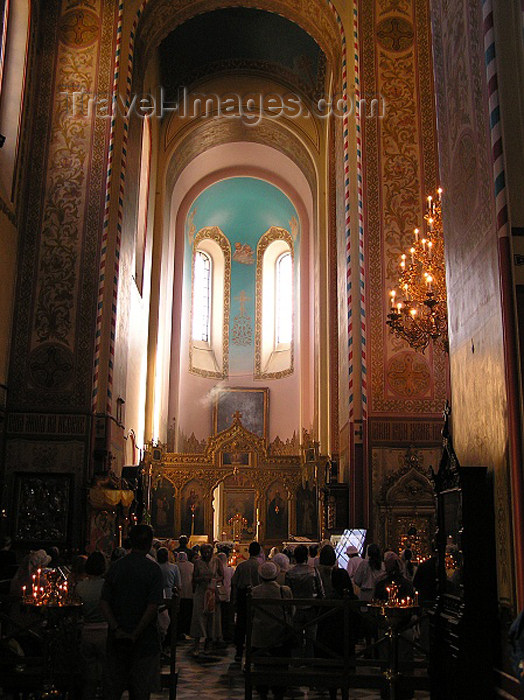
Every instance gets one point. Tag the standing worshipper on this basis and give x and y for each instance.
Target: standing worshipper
(408, 569)
(393, 575)
(226, 605)
(132, 592)
(354, 560)
(282, 561)
(205, 619)
(185, 568)
(326, 563)
(305, 582)
(331, 632)
(171, 578)
(94, 628)
(368, 573)
(182, 547)
(244, 578)
(269, 629)
(170, 572)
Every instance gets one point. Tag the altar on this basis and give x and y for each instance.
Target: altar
(237, 489)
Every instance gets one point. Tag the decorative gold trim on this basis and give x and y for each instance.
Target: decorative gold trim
(208, 468)
(215, 234)
(274, 233)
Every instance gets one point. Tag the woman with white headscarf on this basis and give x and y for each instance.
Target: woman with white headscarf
(282, 562)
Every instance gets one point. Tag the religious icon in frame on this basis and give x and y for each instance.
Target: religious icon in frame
(163, 509)
(277, 512)
(252, 405)
(42, 507)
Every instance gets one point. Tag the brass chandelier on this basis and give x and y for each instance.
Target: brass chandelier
(418, 312)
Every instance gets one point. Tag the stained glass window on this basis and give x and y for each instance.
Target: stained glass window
(201, 296)
(284, 300)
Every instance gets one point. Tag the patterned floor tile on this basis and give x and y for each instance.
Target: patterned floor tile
(217, 677)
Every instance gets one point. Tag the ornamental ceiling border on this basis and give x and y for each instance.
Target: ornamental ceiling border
(210, 133)
(160, 17)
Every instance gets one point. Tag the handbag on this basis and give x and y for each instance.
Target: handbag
(221, 592)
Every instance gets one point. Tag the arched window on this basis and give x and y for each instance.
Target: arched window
(275, 305)
(284, 300)
(210, 295)
(202, 297)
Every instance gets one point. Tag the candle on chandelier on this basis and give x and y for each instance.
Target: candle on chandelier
(430, 223)
(416, 232)
(423, 244)
(412, 251)
(392, 294)
(439, 192)
(429, 283)
(430, 252)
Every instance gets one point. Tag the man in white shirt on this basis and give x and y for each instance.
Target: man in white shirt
(354, 560)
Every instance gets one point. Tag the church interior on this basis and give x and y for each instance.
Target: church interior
(204, 208)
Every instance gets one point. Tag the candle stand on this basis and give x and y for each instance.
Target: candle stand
(60, 624)
(393, 618)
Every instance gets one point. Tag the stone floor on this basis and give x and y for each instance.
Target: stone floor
(216, 675)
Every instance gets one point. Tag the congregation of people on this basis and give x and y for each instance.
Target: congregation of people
(126, 613)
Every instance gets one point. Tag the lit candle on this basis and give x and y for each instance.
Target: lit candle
(412, 251)
(120, 535)
(429, 282)
(430, 252)
(424, 244)
(399, 306)
(392, 294)
(439, 192)
(416, 597)
(24, 588)
(430, 224)
(416, 232)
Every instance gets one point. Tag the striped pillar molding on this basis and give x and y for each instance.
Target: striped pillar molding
(347, 211)
(360, 211)
(105, 230)
(497, 151)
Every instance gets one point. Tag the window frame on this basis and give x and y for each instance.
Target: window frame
(272, 360)
(211, 358)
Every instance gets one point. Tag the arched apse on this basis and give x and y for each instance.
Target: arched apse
(276, 172)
